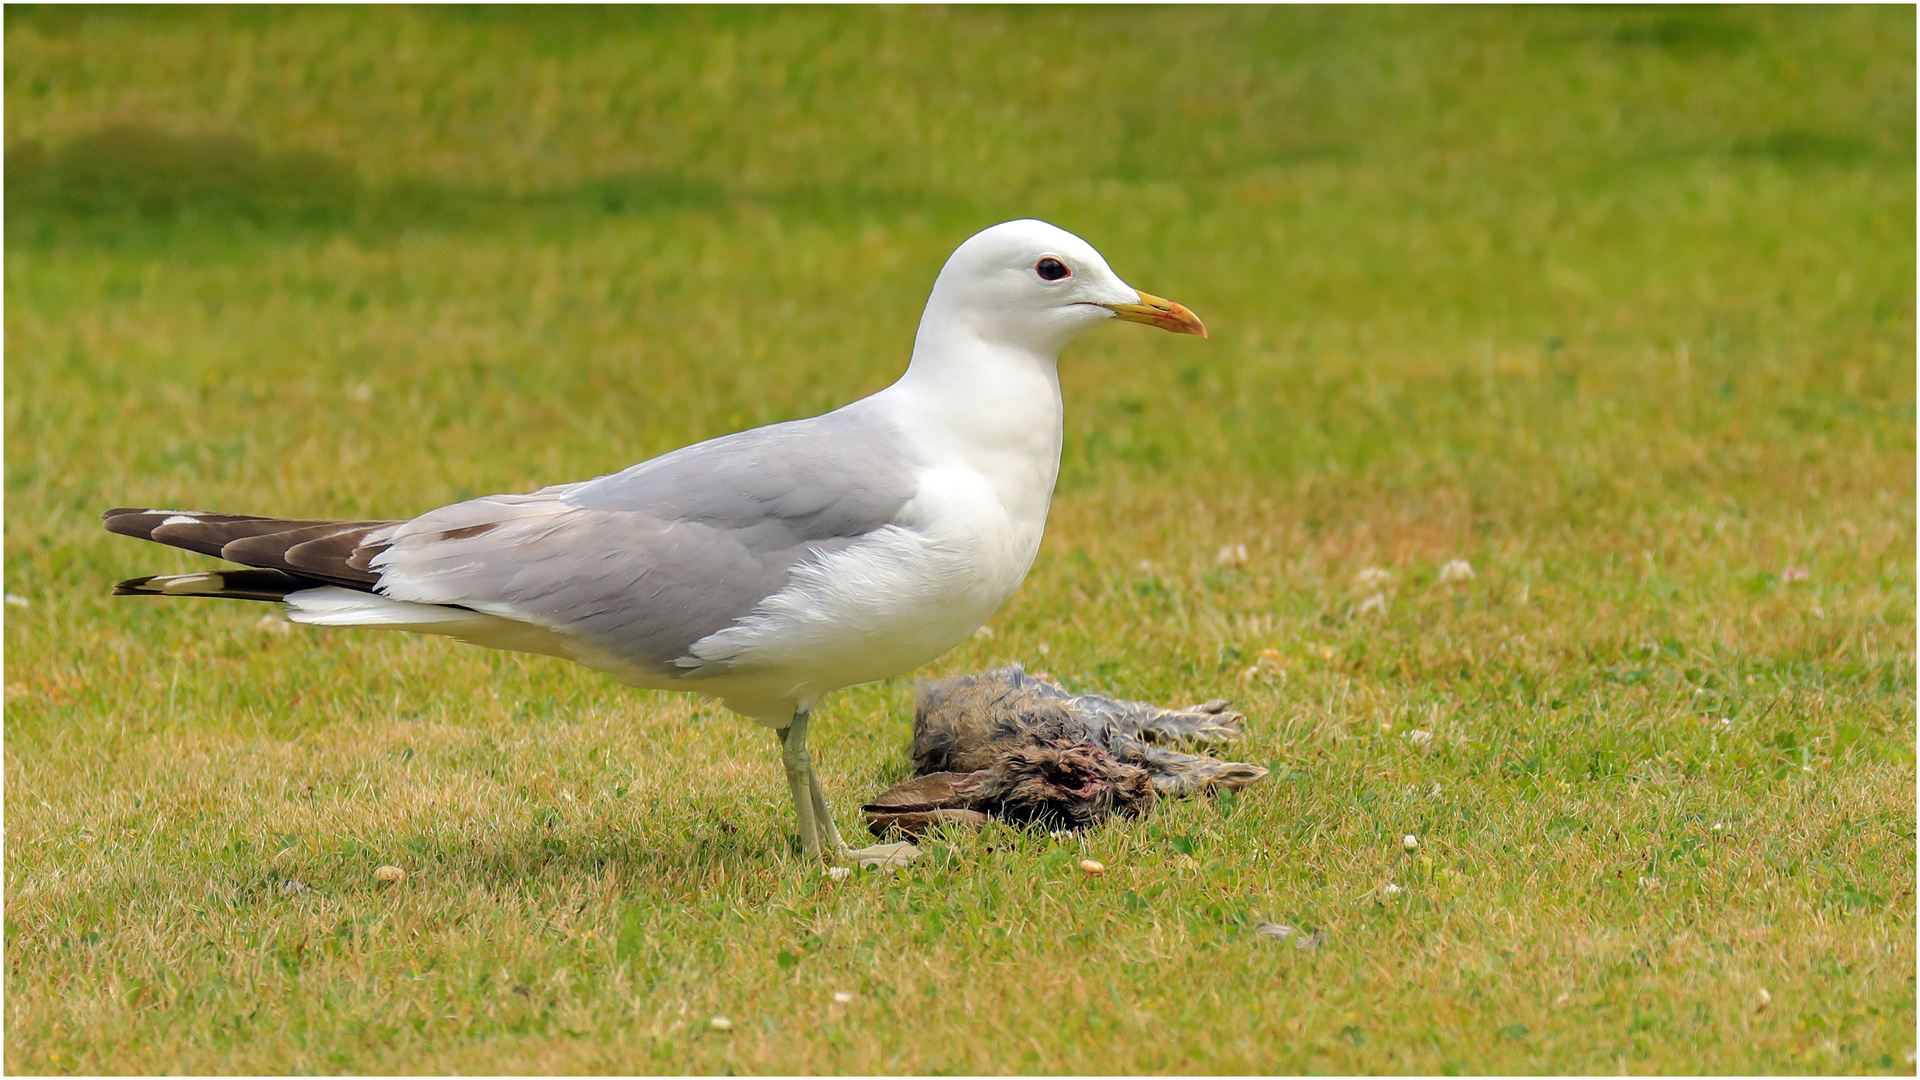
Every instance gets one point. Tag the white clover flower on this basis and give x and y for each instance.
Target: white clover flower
(1456, 570)
(1410, 842)
(1390, 890)
(1373, 577)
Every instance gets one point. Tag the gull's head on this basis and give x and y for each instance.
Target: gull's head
(1030, 284)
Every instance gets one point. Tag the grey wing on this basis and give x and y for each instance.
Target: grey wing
(643, 563)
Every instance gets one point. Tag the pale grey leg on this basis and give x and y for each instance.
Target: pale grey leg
(823, 818)
(800, 782)
(873, 855)
(819, 836)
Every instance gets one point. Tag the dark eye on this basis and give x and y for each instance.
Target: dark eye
(1051, 269)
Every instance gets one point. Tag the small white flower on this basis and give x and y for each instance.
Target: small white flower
(1373, 605)
(1269, 663)
(839, 873)
(1726, 723)
(1373, 577)
(1231, 555)
(1649, 882)
(720, 1023)
(1719, 825)
(1417, 736)
(1410, 842)
(1434, 791)
(841, 997)
(1390, 890)
(1456, 570)
(16, 600)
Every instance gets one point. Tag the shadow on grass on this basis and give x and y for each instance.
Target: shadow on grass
(135, 185)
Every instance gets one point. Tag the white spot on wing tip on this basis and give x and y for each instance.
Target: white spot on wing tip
(180, 519)
(189, 584)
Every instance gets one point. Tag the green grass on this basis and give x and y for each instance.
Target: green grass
(1616, 304)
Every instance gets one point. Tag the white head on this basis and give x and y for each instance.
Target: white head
(1031, 285)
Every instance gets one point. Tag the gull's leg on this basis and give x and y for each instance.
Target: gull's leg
(819, 836)
(800, 782)
(881, 855)
(823, 818)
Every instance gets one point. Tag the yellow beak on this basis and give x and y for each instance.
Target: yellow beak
(1164, 314)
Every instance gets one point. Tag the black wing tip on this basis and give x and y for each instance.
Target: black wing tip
(248, 584)
(140, 521)
(134, 587)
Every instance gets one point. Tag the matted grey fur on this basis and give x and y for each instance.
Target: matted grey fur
(1005, 744)
(967, 722)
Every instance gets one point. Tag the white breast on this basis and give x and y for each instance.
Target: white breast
(899, 598)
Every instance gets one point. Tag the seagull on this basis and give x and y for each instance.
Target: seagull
(765, 568)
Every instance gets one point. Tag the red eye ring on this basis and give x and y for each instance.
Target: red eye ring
(1052, 269)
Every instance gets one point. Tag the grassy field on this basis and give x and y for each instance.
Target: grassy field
(1617, 305)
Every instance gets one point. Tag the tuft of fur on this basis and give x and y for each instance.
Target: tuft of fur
(1057, 787)
(1068, 787)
